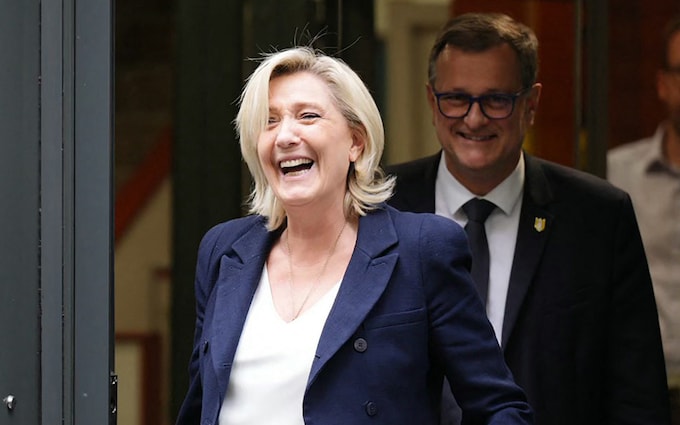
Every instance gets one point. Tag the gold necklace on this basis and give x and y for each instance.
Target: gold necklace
(318, 278)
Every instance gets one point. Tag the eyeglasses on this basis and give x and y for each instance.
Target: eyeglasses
(495, 106)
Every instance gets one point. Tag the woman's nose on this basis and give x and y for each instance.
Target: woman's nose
(287, 133)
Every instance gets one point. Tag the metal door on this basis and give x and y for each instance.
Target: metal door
(55, 212)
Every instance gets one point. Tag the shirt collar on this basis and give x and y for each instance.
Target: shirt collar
(506, 195)
(653, 159)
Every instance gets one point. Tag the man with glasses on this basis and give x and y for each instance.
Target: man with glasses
(556, 252)
(649, 170)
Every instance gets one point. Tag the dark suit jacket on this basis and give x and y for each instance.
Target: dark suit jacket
(581, 333)
(406, 314)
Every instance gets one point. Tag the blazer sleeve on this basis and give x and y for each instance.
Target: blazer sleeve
(636, 374)
(462, 337)
(190, 410)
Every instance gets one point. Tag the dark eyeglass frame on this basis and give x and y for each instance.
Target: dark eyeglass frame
(512, 97)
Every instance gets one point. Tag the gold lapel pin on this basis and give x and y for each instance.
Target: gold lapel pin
(539, 224)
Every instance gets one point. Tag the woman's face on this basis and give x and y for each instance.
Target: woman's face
(307, 146)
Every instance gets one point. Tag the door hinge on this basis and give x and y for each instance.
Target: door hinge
(113, 394)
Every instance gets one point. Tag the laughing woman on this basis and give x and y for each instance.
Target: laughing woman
(324, 305)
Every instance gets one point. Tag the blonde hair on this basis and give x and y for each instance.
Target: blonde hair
(367, 185)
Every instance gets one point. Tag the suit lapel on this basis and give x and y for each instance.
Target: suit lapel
(535, 225)
(367, 275)
(236, 283)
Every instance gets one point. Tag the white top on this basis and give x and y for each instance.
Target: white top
(272, 362)
(641, 169)
(501, 229)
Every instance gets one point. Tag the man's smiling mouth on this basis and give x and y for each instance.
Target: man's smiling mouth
(475, 138)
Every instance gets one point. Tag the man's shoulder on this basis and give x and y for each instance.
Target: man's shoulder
(630, 151)
(414, 168)
(415, 184)
(632, 146)
(565, 181)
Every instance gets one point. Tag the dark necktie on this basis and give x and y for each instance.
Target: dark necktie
(477, 210)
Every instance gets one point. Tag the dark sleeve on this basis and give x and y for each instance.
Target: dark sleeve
(636, 375)
(190, 410)
(462, 337)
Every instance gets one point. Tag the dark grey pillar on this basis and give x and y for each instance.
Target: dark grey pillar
(56, 214)
(19, 215)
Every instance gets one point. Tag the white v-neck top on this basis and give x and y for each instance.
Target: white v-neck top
(272, 361)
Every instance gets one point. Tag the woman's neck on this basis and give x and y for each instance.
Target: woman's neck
(311, 236)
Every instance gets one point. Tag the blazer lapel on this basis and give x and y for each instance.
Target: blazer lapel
(535, 225)
(367, 275)
(236, 283)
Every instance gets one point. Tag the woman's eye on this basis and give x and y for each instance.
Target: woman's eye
(309, 115)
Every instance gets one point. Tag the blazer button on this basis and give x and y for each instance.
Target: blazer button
(371, 408)
(360, 345)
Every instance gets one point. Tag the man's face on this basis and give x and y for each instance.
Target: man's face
(668, 83)
(480, 152)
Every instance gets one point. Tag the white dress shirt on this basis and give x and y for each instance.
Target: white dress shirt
(501, 229)
(641, 169)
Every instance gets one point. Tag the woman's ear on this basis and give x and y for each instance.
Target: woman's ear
(358, 143)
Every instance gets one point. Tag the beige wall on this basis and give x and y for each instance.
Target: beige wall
(142, 310)
(382, 11)
(141, 265)
(408, 29)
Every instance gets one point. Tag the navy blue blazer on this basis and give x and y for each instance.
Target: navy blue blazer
(581, 333)
(406, 314)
